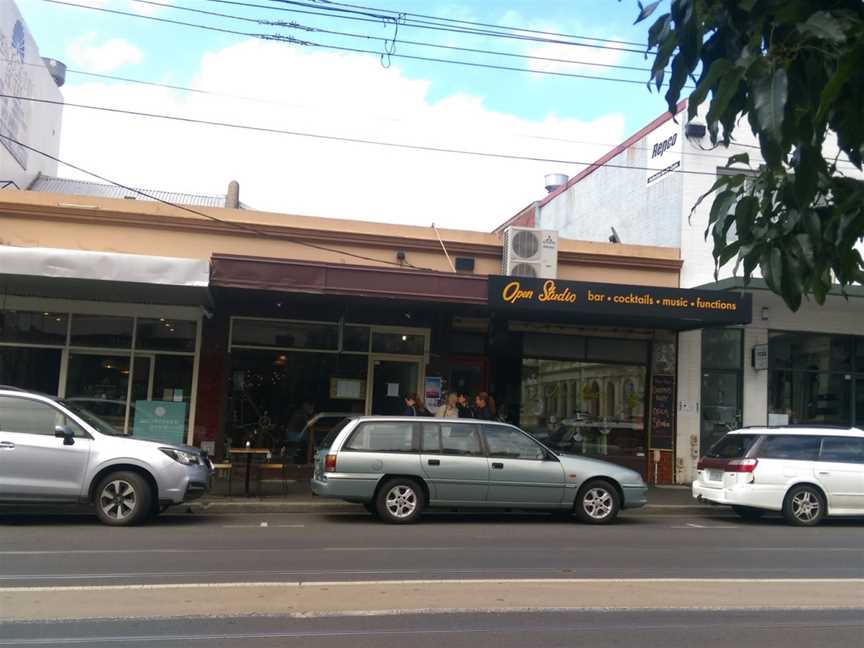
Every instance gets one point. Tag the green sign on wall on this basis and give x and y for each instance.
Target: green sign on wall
(160, 421)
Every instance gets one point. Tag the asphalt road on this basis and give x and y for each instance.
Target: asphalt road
(646, 629)
(39, 550)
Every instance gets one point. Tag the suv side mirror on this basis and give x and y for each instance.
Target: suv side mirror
(66, 433)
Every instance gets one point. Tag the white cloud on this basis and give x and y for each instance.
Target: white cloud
(114, 53)
(147, 9)
(329, 93)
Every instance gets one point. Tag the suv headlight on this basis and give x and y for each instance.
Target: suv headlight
(183, 457)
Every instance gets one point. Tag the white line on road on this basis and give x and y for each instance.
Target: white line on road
(427, 581)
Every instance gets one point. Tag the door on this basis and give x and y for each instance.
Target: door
(34, 464)
(455, 465)
(99, 382)
(392, 380)
(840, 470)
(520, 469)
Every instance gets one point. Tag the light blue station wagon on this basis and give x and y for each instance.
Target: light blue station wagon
(397, 467)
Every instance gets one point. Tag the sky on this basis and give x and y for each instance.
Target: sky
(312, 88)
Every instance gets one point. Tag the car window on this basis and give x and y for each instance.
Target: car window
(845, 449)
(732, 446)
(328, 440)
(395, 436)
(460, 439)
(510, 443)
(798, 447)
(431, 437)
(29, 416)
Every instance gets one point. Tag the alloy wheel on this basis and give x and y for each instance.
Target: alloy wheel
(806, 506)
(598, 503)
(118, 499)
(401, 501)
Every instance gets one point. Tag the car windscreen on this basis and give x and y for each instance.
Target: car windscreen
(732, 446)
(101, 426)
(328, 440)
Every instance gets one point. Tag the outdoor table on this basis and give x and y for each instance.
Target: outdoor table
(249, 452)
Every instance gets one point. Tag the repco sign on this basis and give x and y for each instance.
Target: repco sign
(664, 153)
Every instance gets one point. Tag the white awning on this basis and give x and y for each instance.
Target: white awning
(104, 266)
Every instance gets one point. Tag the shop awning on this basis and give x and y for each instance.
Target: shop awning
(107, 276)
(281, 275)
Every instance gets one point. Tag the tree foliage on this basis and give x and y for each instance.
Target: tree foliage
(795, 70)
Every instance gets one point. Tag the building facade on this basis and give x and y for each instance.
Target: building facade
(784, 367)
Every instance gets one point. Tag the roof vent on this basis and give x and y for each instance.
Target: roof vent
(555, 181)
(57, 70)
(232, 198)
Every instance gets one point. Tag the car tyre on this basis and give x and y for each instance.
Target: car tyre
(371, 508)
(749, 513)
(598, 502)
(123, 498)
(804, 506)
(400, 501)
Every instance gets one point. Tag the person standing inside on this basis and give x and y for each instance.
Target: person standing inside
(484, 407)
(464, 406)
(450, 408)
(420, 406)
(410, 405)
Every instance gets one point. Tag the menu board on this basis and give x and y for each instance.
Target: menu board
(662, 411)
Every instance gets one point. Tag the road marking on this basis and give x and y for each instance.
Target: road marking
(263, 525)
(428, 581)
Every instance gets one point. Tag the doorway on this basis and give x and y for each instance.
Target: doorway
(392, 379)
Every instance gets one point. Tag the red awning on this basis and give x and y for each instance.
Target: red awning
(280, 275)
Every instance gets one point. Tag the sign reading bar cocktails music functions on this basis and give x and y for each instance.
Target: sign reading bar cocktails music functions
(554, 295)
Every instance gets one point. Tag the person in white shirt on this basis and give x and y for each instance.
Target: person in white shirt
(450, 408)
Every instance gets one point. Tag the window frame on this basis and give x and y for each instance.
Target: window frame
(475, 427)
(484, 427)
(80, 431)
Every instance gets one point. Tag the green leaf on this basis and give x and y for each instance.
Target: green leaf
(806, 246)
(728, 252)
(770, 92)
(823, 25)
(722, 204)
(725, 91)
(835, 85)
(646, 11)
(706, 83)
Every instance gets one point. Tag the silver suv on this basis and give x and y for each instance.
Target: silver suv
(397, 467)
(57, 452)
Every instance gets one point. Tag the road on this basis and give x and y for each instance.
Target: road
(481, 579)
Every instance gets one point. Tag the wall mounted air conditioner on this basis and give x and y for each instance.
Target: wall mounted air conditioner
(530, 252)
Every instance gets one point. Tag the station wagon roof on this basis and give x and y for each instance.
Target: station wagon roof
(803, 430)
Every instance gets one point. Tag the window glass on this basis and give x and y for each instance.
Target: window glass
(778, 446)
(101, 331)
(33, 328)
(431, 438)
(460, 439)
(732, 446)
(846, 449)
(810, 397)
(553, 346)
(511, 444)
(27, 416)
(163, 334)
(31, 368)
(283, 334)
(721, 348)
(602, 349)
(398, 343)
(355, 338)
(328, 440)
(809, 352)
(383, 437)
(721, 405)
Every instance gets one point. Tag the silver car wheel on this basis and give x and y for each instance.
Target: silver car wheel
(806, 506)
(401, 501)
(598, 503)
(118, 499)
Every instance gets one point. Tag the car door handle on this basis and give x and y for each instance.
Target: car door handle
(434, 462)
(823, 472)
(498, 466)
(6, 445)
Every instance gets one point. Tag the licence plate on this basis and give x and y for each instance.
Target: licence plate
(715, 475)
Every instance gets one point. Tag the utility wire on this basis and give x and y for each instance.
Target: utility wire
(480, 24)
(244, 227)
(339, 138)
(307, 43)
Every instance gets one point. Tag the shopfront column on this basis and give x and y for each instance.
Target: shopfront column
(755, 392)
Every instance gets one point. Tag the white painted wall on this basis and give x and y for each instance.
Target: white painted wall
(689, 405)
(23, 73)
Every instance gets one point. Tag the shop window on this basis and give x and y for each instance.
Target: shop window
(607, 350)
(809, 352)
(101, 331)
(285, 335)
(570, 347)
(722, 383)
(809, 397)
(355, 338)
(33, 327)
(165, 334)
(467, 343)
(100, 382)
(36, 369)
(721, 348)
(399, 343)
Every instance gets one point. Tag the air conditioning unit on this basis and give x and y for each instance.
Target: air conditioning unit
(530, 252)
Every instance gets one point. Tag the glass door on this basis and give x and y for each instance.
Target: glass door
(392, 380)
(99, 382)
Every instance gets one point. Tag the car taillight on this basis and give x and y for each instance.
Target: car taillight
(742, 465)
(330, 463)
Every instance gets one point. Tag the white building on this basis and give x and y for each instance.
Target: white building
(645, 189)
(24, 73)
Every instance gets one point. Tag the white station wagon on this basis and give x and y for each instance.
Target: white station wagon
(805, 472)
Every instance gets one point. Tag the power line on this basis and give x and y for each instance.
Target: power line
(245, 227)
(306, 43)
(339, 138)
(482, 24)
(307, 28)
